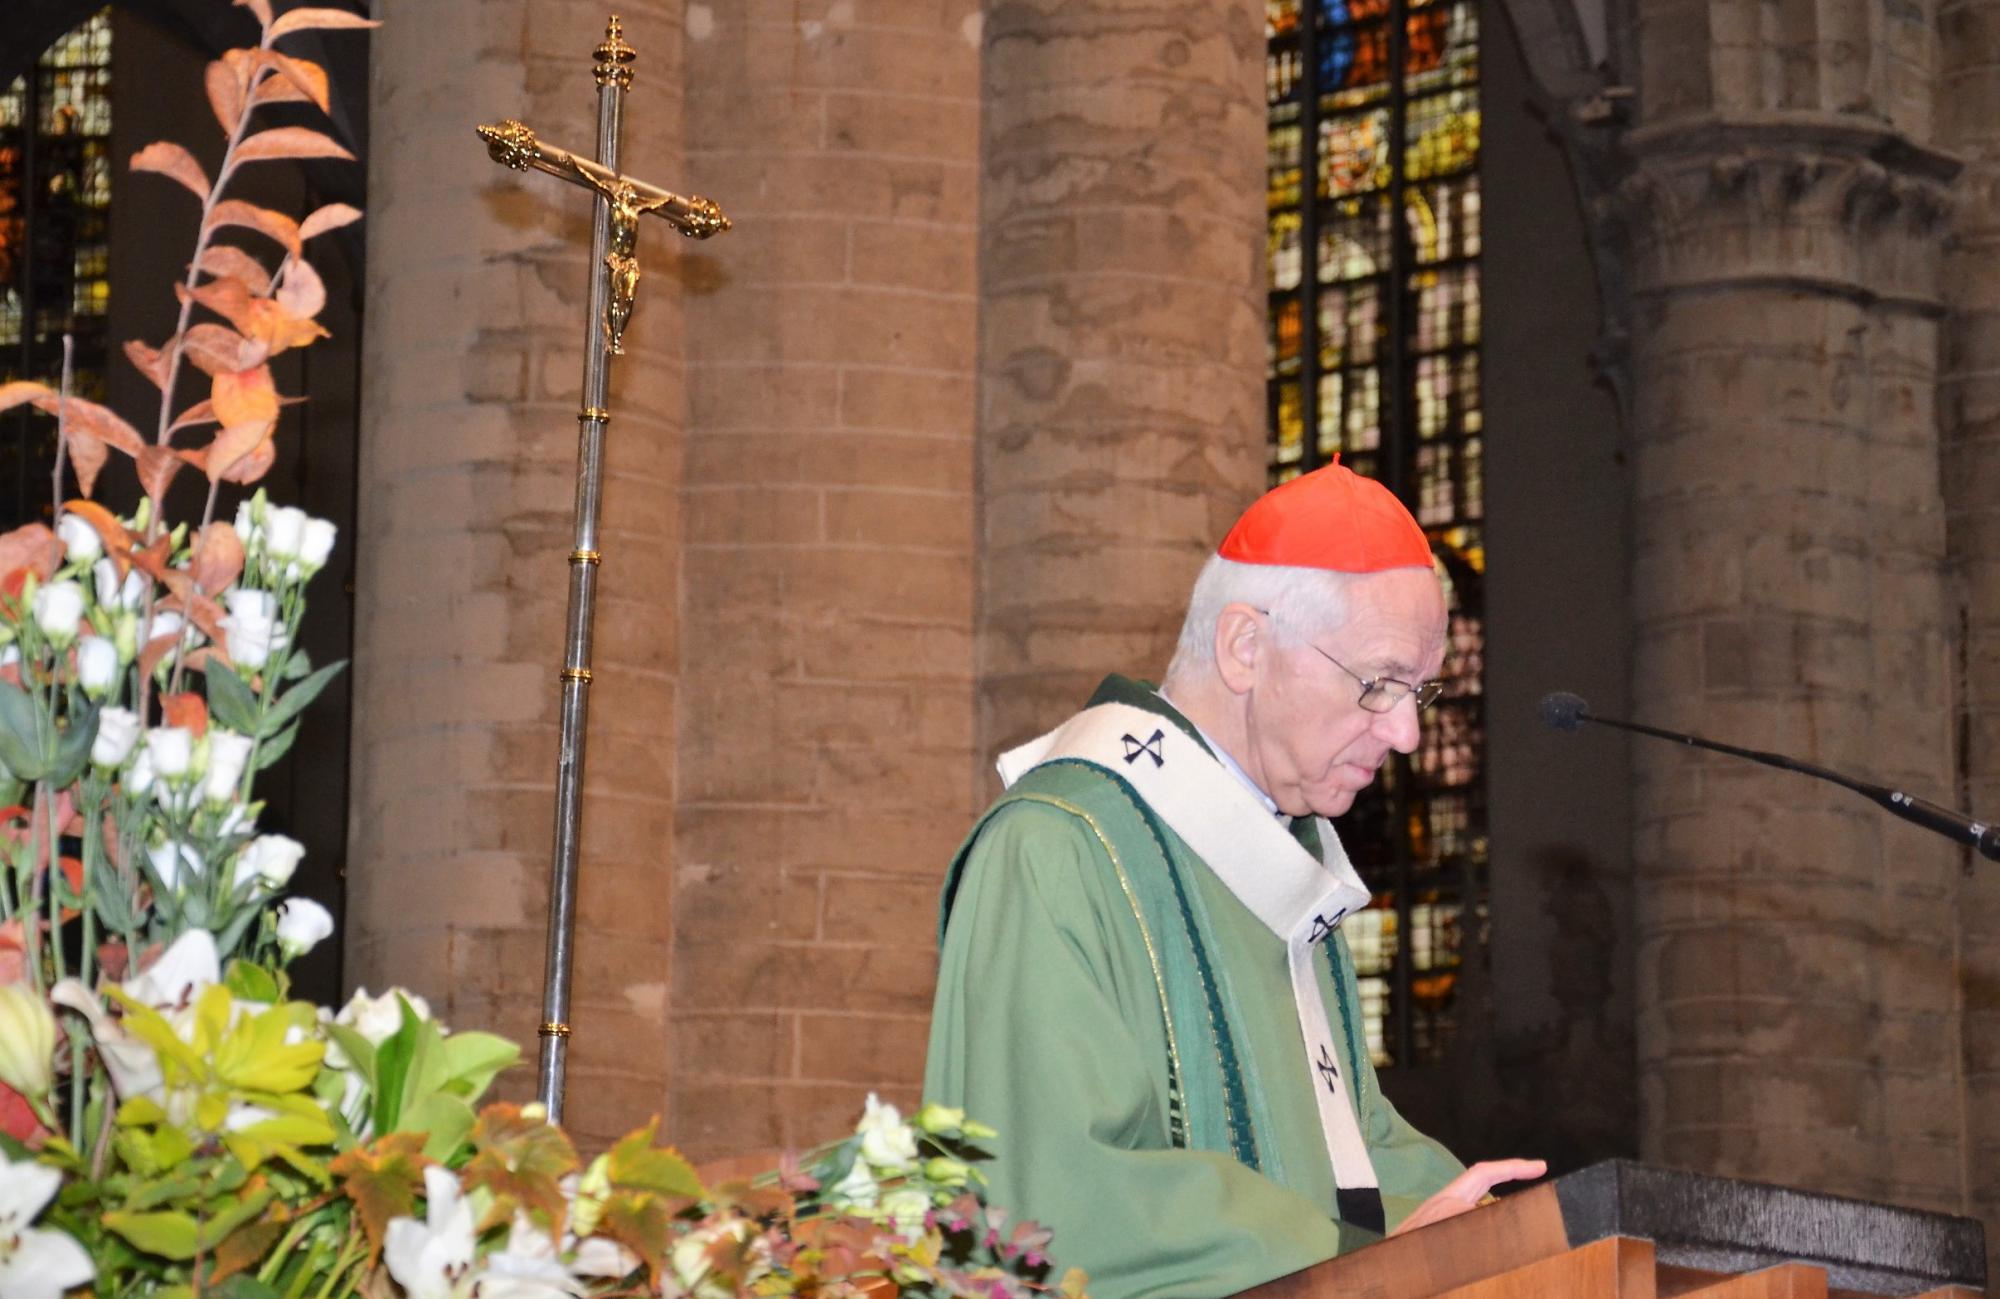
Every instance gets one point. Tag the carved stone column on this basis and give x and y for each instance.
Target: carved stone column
(1797, 1008)
(1969, 123)
(1121, 333)
(476, 284)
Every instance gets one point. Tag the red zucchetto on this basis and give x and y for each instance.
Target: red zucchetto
(1330, 518)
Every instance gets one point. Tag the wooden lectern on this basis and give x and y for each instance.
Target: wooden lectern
(1628, 1231)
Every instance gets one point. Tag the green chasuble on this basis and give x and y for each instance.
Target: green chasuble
(1128, 1024)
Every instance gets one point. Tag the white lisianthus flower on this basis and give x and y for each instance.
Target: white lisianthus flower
(168, 858)
(316, 545)
(427, 1258)
(171, 749)
(228, 754)
(80, 541)
(905, 1208)
(115, 593)
(858, 1189)
(252, 629)
(886, 1141)
(527, 1269)
(378, 1018)
(35, 1264)
(247, 528)
(96, 666)
(302, 925)
(284, 532)
(117, 732)
(140, 778)
(27, 1040)
(164, 622)
(58, 608)
(269, 861)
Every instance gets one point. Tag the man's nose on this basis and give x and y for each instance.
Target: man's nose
(1401, 727)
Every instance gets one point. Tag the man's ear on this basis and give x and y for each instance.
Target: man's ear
(1242, 639)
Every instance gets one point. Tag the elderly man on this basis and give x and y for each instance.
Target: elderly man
(1143, 983)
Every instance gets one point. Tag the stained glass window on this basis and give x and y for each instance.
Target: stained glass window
(55, 243)
(1374, 357)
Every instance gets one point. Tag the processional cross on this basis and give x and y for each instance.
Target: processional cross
(614, 286)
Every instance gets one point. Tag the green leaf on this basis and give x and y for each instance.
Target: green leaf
(392, 1068)
(359, 1050)
(472, 1060)
(72, 751)
(637, 1164)
(251, 982)
(427, 1075)
(167, 1235)
(295, 699)
(269, 751)
(445, 1122)
(229, 700)
(24, 733)
(297, 664)
(151, 1195)
(216, 1228)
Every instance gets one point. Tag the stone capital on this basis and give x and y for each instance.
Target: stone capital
(1816, 201)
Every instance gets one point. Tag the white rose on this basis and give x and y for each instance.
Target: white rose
(96, 665)
(80, 541)
(117, 732)
(886, 1141)
(112, 593)
(379, 1018)
(269, 859)
(284, 532)
(316, 545)
(58, 608)
(302, 924)
(228, 754)
(171, 749)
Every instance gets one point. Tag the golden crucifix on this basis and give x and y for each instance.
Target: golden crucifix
(614, 287)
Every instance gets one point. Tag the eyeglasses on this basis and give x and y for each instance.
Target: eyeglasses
(1381, 694)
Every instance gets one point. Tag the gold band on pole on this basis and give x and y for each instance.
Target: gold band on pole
(598, 413)
(553, 1029)
(585, 557)
(576, 674)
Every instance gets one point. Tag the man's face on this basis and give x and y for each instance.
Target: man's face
(1313, 744)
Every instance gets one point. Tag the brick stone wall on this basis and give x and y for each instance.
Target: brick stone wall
(473, 370)
(826, 724)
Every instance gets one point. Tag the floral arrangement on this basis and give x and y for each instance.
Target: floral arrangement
(172, 1121)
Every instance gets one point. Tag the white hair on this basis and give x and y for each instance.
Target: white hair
(1301, 602)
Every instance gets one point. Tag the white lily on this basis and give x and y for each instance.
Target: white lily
(35, 1264)
(429, 1258)
(527, 1269)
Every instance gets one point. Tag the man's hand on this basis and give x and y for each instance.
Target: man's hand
(1467, 1189)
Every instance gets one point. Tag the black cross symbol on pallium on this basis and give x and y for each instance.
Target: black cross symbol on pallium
(1323, 928)
(1329, 1073)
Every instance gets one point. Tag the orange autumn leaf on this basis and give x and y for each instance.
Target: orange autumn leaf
(288, 142)
(227, 452)
(274, 225)
(89, 429)
(217, 558)
(331, 217)
(302, 292)
(253, 465)
(279, 328)
(169, 159)
(203, 612)
(224, 81)
(227, 298)
(219, 350)
(31, 547)
(186, 709)
(202, 412)
(21, 392)
(300, 19)
(292, 80)
(520, 1161)
(117, 541)
(149, 361)
(245, 397)
(224, 261)
(245, 1248)
(157, 467)
(383, 1179)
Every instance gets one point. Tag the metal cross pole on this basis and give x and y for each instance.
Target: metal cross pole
(614, 284)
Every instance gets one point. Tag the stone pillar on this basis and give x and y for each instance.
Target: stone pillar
(826, 726)
(476, 284)
(1798, 1016)
(1969, 124)
(1122, 293)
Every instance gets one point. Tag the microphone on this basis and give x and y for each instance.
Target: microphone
(1565, 712)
